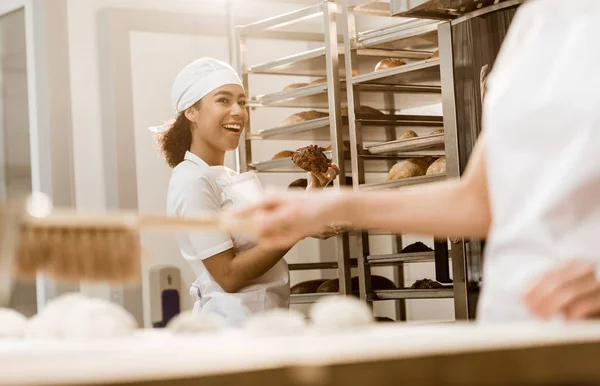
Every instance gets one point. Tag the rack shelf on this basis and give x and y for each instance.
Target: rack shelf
(417, 143)
(439, 293)
(413, 34)
(300, 130)
(403, 182)
(308, 298)
(425, 72)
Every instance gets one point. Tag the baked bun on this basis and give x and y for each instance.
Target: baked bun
(438, 131)
(307, 287)
(416, 247)
(317, 81)
(367, 110)
(346, 146)
(283, 154)
(303, 117)
(436, 54)
(311, 159)
(300, 183)
(389, 63)
(411, 167)
(408, 134)
(294, 86)
(438, 167)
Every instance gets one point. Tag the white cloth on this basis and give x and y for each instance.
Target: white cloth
(197, 188)
(195, 81)
(542, 125)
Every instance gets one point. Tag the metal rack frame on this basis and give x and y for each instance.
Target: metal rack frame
(329, 97)
(420, 74)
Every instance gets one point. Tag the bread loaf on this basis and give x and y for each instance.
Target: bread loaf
(389, 63)
(311, 159)
(303, 117)
(283, 154)
(416, 247)
(378, 283)
(294, 86)
(408, 134)
(320, 80)
(426, 284)
(300, 183)
(436, 54)
(411, 167)
(366, 110)
(307, 287)
(346, 146)
(438, 167)
(438, 131)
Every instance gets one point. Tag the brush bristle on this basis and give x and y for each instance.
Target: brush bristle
(79, 253)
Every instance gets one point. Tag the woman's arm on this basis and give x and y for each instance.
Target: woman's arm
(235, 272)
(447, 209)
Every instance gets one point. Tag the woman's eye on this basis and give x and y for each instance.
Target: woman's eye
(222, 100)
(242, 103)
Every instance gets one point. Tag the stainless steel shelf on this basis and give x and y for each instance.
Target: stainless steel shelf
(303, 92)
(312, 62)
(446, 9)
(425, 72)
(311, 266)
(440, 293)
(417, 153)
(417, 257)
(298, 131)
(412, 34)
(417, 143)
(403, 182)
(308, 298)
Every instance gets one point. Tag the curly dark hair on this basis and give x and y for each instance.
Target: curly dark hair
(174, 142)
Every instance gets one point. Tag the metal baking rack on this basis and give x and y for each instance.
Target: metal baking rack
(424, 74)
(319, 62)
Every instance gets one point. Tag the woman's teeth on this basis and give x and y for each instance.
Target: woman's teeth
(234, 128)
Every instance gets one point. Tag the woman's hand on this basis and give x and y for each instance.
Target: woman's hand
(284, 218)
(571, 289)
(320, 180)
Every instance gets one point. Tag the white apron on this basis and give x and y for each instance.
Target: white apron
(542, 126)
(267, 292)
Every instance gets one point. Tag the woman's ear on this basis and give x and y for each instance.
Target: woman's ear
(190, 113)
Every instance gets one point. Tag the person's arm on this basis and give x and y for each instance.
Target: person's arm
(446, 209)
(233, 272)
(215, 247)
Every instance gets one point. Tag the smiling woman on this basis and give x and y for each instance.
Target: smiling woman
(235, 278)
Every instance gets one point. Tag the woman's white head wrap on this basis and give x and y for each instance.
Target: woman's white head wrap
(195, 81)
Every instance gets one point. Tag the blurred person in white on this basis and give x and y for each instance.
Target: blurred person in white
(235, 277)
(532, 185)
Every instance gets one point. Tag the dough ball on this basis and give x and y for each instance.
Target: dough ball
(12, 324)
(276, 322)
(75, 316)
(188, 322)
(340, 312)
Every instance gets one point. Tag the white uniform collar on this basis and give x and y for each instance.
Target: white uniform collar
(189, 156)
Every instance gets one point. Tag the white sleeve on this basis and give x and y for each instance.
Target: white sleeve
(202, 197)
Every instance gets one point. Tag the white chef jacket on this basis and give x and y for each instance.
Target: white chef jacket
(197, 188)
(542, 125)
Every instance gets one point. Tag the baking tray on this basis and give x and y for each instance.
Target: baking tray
(425, 72)
(403, 182)
(438, 293)
(413, 34)
(417, 143)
